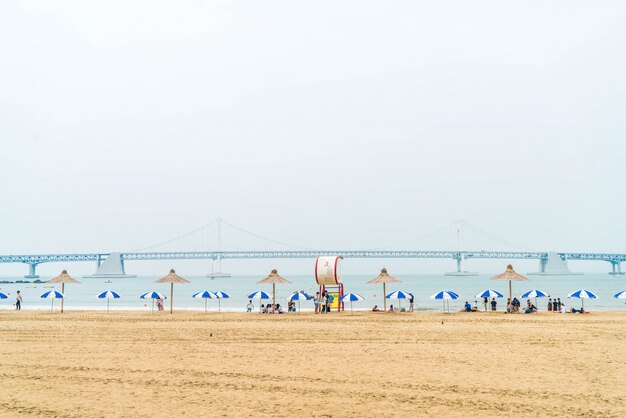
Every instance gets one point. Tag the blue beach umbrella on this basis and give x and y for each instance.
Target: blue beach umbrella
(620, 295)
(206, 295)
(445, 295)
(489, 293)
(351, 297)
(259, 294)
(152, 295)
(535, 293)
(108, 295)
(3, 295)
(582, 294)
(298, 296)
(220, 296)
(52, 294)
(398, 294)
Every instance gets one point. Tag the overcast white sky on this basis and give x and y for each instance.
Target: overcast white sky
(324, 124)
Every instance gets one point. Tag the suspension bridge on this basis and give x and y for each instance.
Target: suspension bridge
(113, 264)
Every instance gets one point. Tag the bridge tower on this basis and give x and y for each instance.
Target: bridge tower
(219, 272)
(460, 257)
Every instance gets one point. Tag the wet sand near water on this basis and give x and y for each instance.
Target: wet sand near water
(82, 364)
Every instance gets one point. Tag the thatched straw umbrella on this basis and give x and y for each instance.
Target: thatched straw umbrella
(384, 278)
(63, 278)
(273, 278)
(509, 275)
(171, 279)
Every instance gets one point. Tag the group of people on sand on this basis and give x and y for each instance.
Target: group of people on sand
(271, 308)
(322, 302)
(514, 306)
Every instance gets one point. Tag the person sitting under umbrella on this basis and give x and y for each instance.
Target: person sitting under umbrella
(530, 308)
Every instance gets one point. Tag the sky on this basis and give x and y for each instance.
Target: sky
(327, 124)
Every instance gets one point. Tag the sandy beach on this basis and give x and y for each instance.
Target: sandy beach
(81, 364)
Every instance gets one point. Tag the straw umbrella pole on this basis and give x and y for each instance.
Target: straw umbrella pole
(273, 278)
(510, 275)
(172, 278)
(384, 278)
(63, 278)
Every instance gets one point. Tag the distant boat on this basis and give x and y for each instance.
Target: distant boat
(108, 281)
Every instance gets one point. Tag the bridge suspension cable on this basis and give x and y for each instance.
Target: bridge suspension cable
(262, 237)
(219, 221)
(185, 235)
(457, 224)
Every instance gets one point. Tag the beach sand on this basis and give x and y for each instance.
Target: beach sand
(82, 364)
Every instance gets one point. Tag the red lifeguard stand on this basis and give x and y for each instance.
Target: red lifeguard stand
(328, 277)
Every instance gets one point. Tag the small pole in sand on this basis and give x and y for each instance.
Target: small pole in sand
(171, 297)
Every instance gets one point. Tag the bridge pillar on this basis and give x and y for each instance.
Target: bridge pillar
(111, 267)
(553, 265)
(616, 268)
(32, 272)
(459, 267)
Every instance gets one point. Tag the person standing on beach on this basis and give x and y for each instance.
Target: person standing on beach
(555, 306)
(485, 301)
(550, 305)
(316, 302)
(559, 304)
(493, 304)
(411, 300)
(18, 301)
(250, 306)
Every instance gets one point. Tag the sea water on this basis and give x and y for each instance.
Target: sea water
(83, 295)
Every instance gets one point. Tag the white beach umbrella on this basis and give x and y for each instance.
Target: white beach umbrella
(259, 294)
(445, 295)
(582, 294)
(298, 296)
(398, 294)
(152, 295)
(108, 295)
(52, 294)
(220, 296)
(206, 295)
(489, 293)
(351, 297)
(620, 295)
(535, 293)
